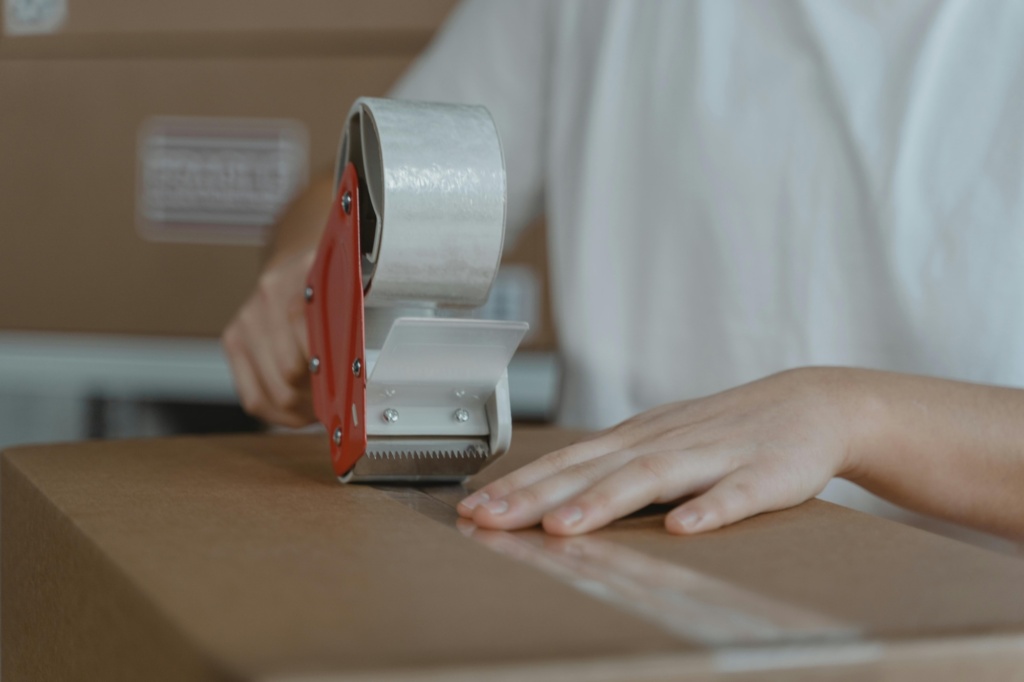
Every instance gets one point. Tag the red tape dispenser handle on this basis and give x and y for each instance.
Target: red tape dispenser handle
(334, 319)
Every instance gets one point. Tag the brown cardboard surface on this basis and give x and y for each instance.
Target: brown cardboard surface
(253, 552)
(72, 258)
(75, 102)
(76, 97)
(242, 558)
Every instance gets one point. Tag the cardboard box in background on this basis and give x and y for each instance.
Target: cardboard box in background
(74, 258)
(145, 146)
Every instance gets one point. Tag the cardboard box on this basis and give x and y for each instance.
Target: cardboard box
(74, 257)
(111, 106)
(145, 146)
(242, 558)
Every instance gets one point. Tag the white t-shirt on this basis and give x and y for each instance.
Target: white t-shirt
(733, 188)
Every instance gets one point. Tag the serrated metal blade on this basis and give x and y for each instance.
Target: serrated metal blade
(420, 460)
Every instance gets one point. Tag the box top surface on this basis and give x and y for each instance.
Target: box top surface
(251, 549)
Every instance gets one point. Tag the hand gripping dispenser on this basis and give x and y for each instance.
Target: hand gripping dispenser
(417, 223)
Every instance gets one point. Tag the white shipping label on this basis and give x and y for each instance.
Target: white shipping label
(34, 17)
(217, 180)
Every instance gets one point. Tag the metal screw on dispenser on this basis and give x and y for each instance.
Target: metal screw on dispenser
(461, 415)
(346, 202)
(314, 365)
(357, 367)
(390, 415)
(336, 437)
(308, 293)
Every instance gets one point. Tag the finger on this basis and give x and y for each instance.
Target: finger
(272, 336)
(283, 404)
(744, 493)
(465, 526)
(548, 465)
(657, 477)
(279, 367)
(525, 507)
(297, 324)
(251, 391)
(297, 311)
(298, 349)
(267, 325)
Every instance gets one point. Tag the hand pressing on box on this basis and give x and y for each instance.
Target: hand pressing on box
(945, 448)
(767, 445)
(266, 343)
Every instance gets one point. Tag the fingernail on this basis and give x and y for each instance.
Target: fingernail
(475, 499)
(497, 507)
(569, 516)
(689, 520)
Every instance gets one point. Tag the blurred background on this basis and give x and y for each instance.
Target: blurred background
(146, 148)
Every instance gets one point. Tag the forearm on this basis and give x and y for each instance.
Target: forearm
(950, 449)
(299, 227)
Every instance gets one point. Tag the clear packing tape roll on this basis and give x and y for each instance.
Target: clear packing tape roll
(432, 217)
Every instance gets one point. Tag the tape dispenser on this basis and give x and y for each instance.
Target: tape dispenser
(417, 223)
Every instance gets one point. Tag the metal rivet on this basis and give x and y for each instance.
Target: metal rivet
(357, 367)
(346, 202)
(314, 365)
(461, 415)
(390, 415)
(337, 436)
(308, 294)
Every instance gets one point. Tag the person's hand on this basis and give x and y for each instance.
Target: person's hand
(767, 445)
(267, 346)
(266, 342)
